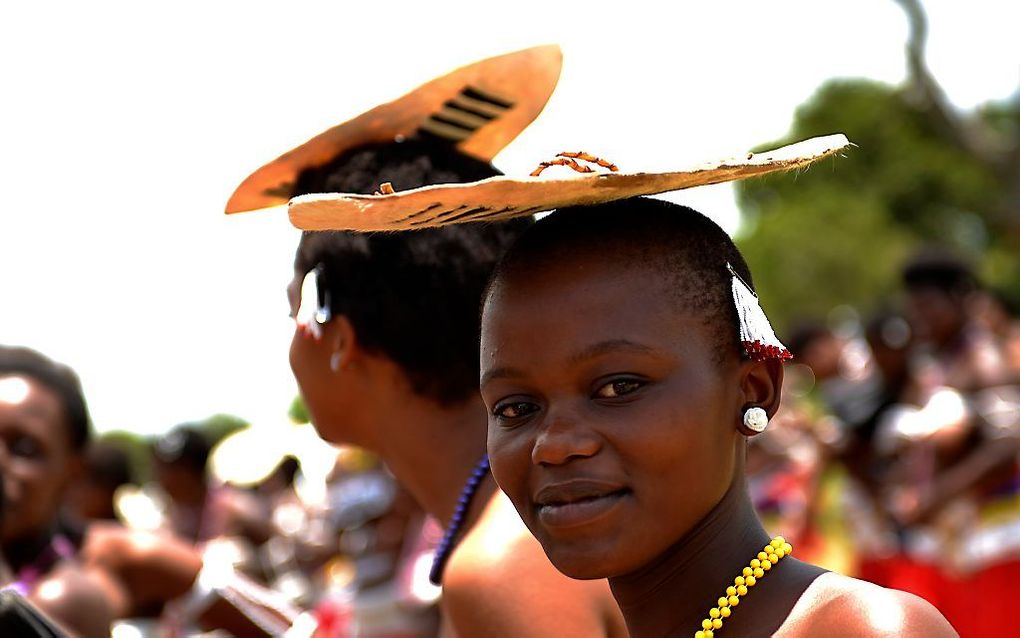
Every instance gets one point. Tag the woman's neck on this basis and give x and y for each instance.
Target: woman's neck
(432, 450)
(673, 593)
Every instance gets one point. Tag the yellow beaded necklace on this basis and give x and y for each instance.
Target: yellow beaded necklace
(772, 554)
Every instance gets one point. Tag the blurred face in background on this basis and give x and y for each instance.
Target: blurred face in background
(36, 456)
(935, 315)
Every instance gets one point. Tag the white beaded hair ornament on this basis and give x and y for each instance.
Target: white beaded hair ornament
(756, 335)
(313, 309)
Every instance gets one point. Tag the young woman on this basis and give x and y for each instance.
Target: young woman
(624, 364)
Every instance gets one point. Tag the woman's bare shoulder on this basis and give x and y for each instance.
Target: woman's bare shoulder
(836, 606)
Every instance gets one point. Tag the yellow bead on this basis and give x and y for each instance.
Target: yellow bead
(758, 573)
(716, 624)
(739, 580)
(755, 563)
(714, 612)
(724, 602)
(709, 634)
(706, 624)
(748, 572)
(762, 555)
(751, 580)
(699, 634)
(734, 601)
(731, 591)
(780, 553)
(766, 565)
(777, 542)
(770, 550)
(788, 548)
(725, 611)
(742, 590)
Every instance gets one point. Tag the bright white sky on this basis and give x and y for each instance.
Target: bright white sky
(125, 126)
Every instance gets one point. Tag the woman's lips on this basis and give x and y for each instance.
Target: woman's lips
(575, 503)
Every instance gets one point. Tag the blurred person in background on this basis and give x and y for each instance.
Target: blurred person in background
(998, 316)
(873, 531)
(105, 468)
(953, 440)
(44, 427)
(199, 509)
(384, 537)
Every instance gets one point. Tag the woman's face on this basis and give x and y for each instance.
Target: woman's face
(35, 456)
(612, 422)
(336, 399)
(309, 360)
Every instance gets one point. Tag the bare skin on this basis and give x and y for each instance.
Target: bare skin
(619, 442)
(76, 600)
(432, 449)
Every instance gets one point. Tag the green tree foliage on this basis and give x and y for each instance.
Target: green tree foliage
(218, 426)
(922, 173)
(839, 232)
(298, 411)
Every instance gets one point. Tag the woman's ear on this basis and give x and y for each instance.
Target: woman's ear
(339, 336)
(761, 383)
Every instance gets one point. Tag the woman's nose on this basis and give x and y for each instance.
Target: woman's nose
(563, 439)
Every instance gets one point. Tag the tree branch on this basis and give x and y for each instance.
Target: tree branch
(925, 89)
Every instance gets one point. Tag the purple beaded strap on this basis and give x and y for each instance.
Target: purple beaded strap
(463, 503)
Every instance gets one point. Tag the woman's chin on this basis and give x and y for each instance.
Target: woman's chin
(581, 565)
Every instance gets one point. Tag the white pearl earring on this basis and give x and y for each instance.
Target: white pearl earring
(755, 419)
(334, 362)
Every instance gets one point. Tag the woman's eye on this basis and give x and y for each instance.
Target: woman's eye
(514, 409)
(618, 388)
(25, 447)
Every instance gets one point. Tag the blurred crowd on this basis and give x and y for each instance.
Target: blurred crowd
(351, 546)
(894, 457)
(903, 426)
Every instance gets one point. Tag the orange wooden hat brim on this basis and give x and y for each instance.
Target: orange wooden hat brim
(492, 102)
(499, 198)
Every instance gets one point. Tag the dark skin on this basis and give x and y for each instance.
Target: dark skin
(37, 459)
(615, 429)
(359, 396)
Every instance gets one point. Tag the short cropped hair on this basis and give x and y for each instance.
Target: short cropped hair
(60, 379)
(688, 250)
(413, 296)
